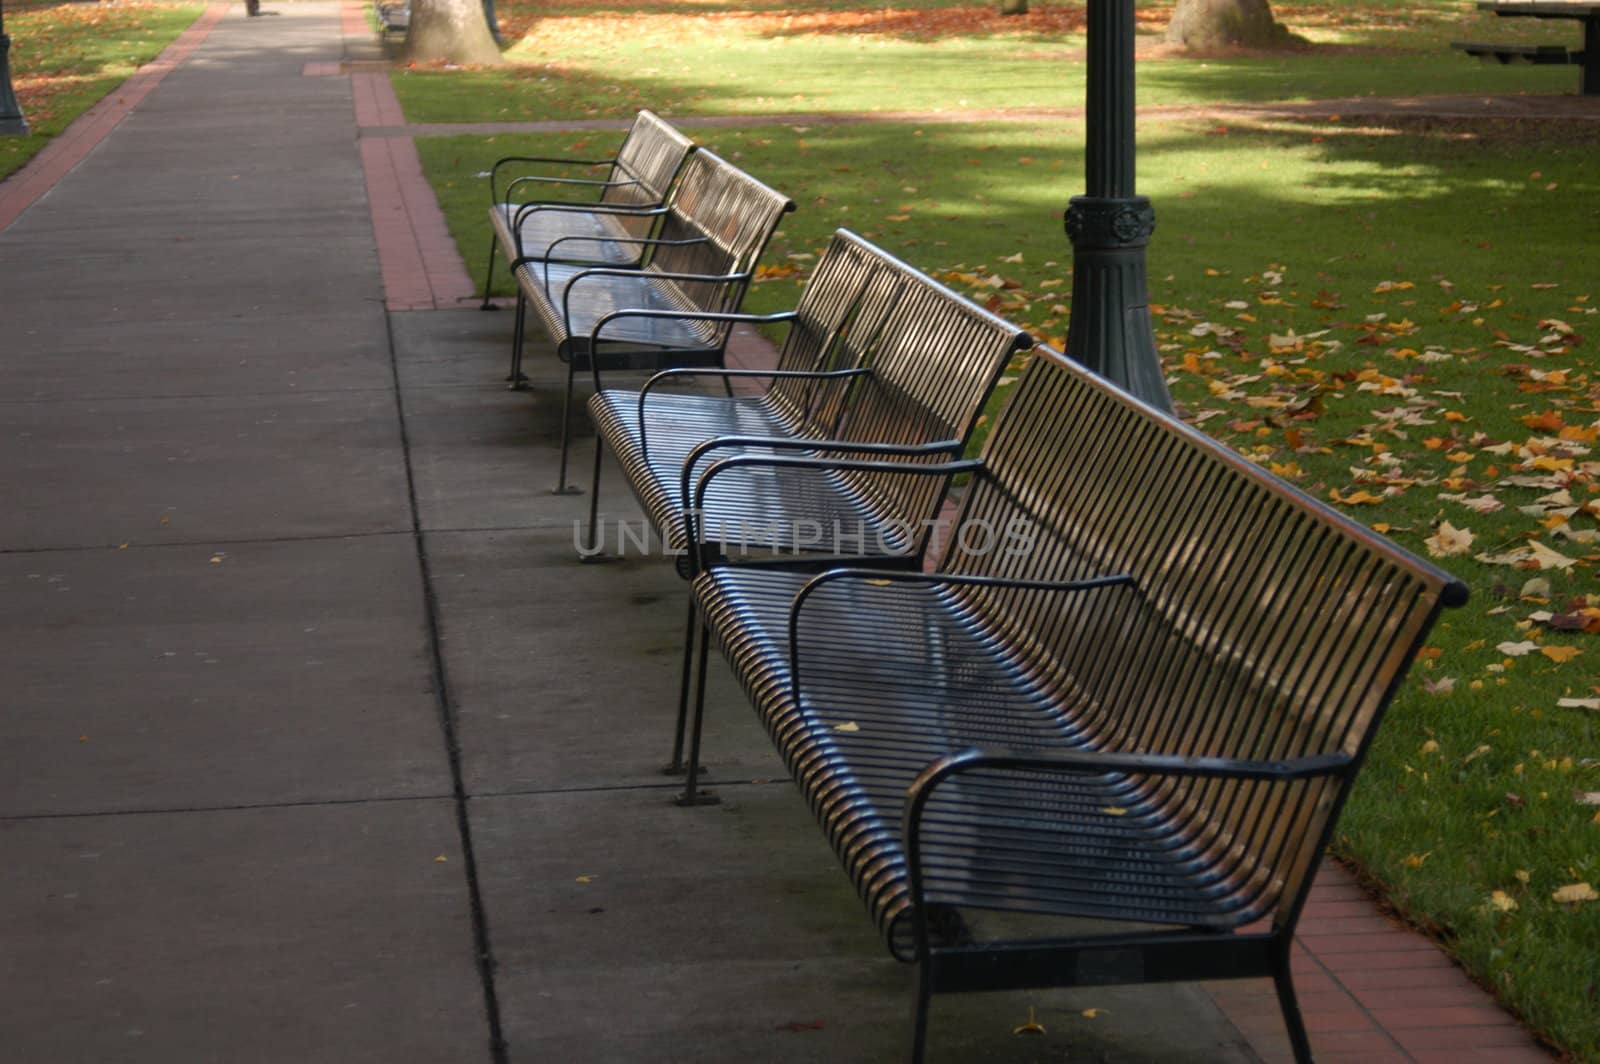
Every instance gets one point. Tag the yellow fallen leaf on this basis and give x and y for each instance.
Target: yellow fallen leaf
(1092, 1013)
(1560, 654)
(1114, 810)
(441, 859)
(1500, 901)
(1573, 893)
(585, 879)
(1522, 876)
(1033, 1026)
(1417, 860)
(847, 726)
(1448, 541)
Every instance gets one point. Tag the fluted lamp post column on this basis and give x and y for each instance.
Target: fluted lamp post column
(12, 124)
(1109, 331)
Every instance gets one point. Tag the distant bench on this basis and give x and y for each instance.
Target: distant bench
(393, 19)
(1136, 688)
(1587, 59)
(662, 310)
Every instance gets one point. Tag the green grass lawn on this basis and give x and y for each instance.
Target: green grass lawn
(66, 57)
(578, 63)
(1400, 318)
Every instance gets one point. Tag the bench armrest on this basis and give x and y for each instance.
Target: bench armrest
(911, 576)
(692, 513)
(582, 182)
(1081, 761)
(494, 171)
(526, 210)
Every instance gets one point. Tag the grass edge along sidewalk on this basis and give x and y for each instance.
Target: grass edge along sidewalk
(66, 58)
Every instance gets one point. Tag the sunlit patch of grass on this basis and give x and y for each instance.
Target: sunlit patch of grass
(66, 56)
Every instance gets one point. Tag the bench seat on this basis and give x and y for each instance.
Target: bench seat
(939, 679)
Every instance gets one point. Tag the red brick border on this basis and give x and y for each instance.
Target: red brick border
(422, 270)
(40, 174)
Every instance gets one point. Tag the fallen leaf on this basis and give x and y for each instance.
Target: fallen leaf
(1033, 1026)
(1500, 901)
(1560, 655)
(1573, 893)
(1114, 810)
(1448, 541)
(847, 726)
(1092, 1013)
(1517, 650)
(1580, 703)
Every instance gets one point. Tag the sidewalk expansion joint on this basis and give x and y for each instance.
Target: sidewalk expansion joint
(241, 807)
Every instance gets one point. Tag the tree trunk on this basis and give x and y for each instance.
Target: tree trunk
(1205, 25)
(1013, 7)
(455, 31)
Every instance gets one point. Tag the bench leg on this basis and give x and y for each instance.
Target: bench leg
(488, 277)
(691, 631)
(692, 794)
(1283, 980)
(919, 1012)
(562, 487)
(591, 551)
(518, 381)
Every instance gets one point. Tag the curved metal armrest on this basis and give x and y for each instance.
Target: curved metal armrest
(910, 576)
(1080, 761)
(495, 169)
(524, 210)
(790, 443)
(693, 541)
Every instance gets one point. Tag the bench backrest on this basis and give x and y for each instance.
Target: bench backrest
(1263, 624)
(650, 156)
(839, 315)
(935, 360)
(727, 217)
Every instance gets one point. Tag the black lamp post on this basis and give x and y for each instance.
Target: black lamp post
(12, 124)
(1109, 226)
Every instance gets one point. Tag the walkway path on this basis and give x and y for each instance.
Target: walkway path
(316, 751)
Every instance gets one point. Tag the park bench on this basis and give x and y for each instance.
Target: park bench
(701, 260)
(627, 201)
(877, 358)
(393, 19)
(1136, 688)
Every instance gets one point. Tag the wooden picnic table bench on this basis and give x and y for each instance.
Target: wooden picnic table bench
(661, 312)
(1136, 688)
(1587, 58)
(526, 218)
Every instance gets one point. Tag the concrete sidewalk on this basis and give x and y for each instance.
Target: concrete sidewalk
(320, 745)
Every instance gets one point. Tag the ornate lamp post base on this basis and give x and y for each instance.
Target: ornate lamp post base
(12, 124)
(1110, 331)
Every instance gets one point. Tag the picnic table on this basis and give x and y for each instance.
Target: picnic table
(1587, 60)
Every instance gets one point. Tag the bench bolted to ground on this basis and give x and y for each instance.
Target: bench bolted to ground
(1136, 689)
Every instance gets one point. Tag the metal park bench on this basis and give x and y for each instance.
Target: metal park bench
(878, 359)
(662, 314)
(629, 202)
(1136, 688)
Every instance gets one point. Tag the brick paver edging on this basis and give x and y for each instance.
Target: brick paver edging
(40, 174)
